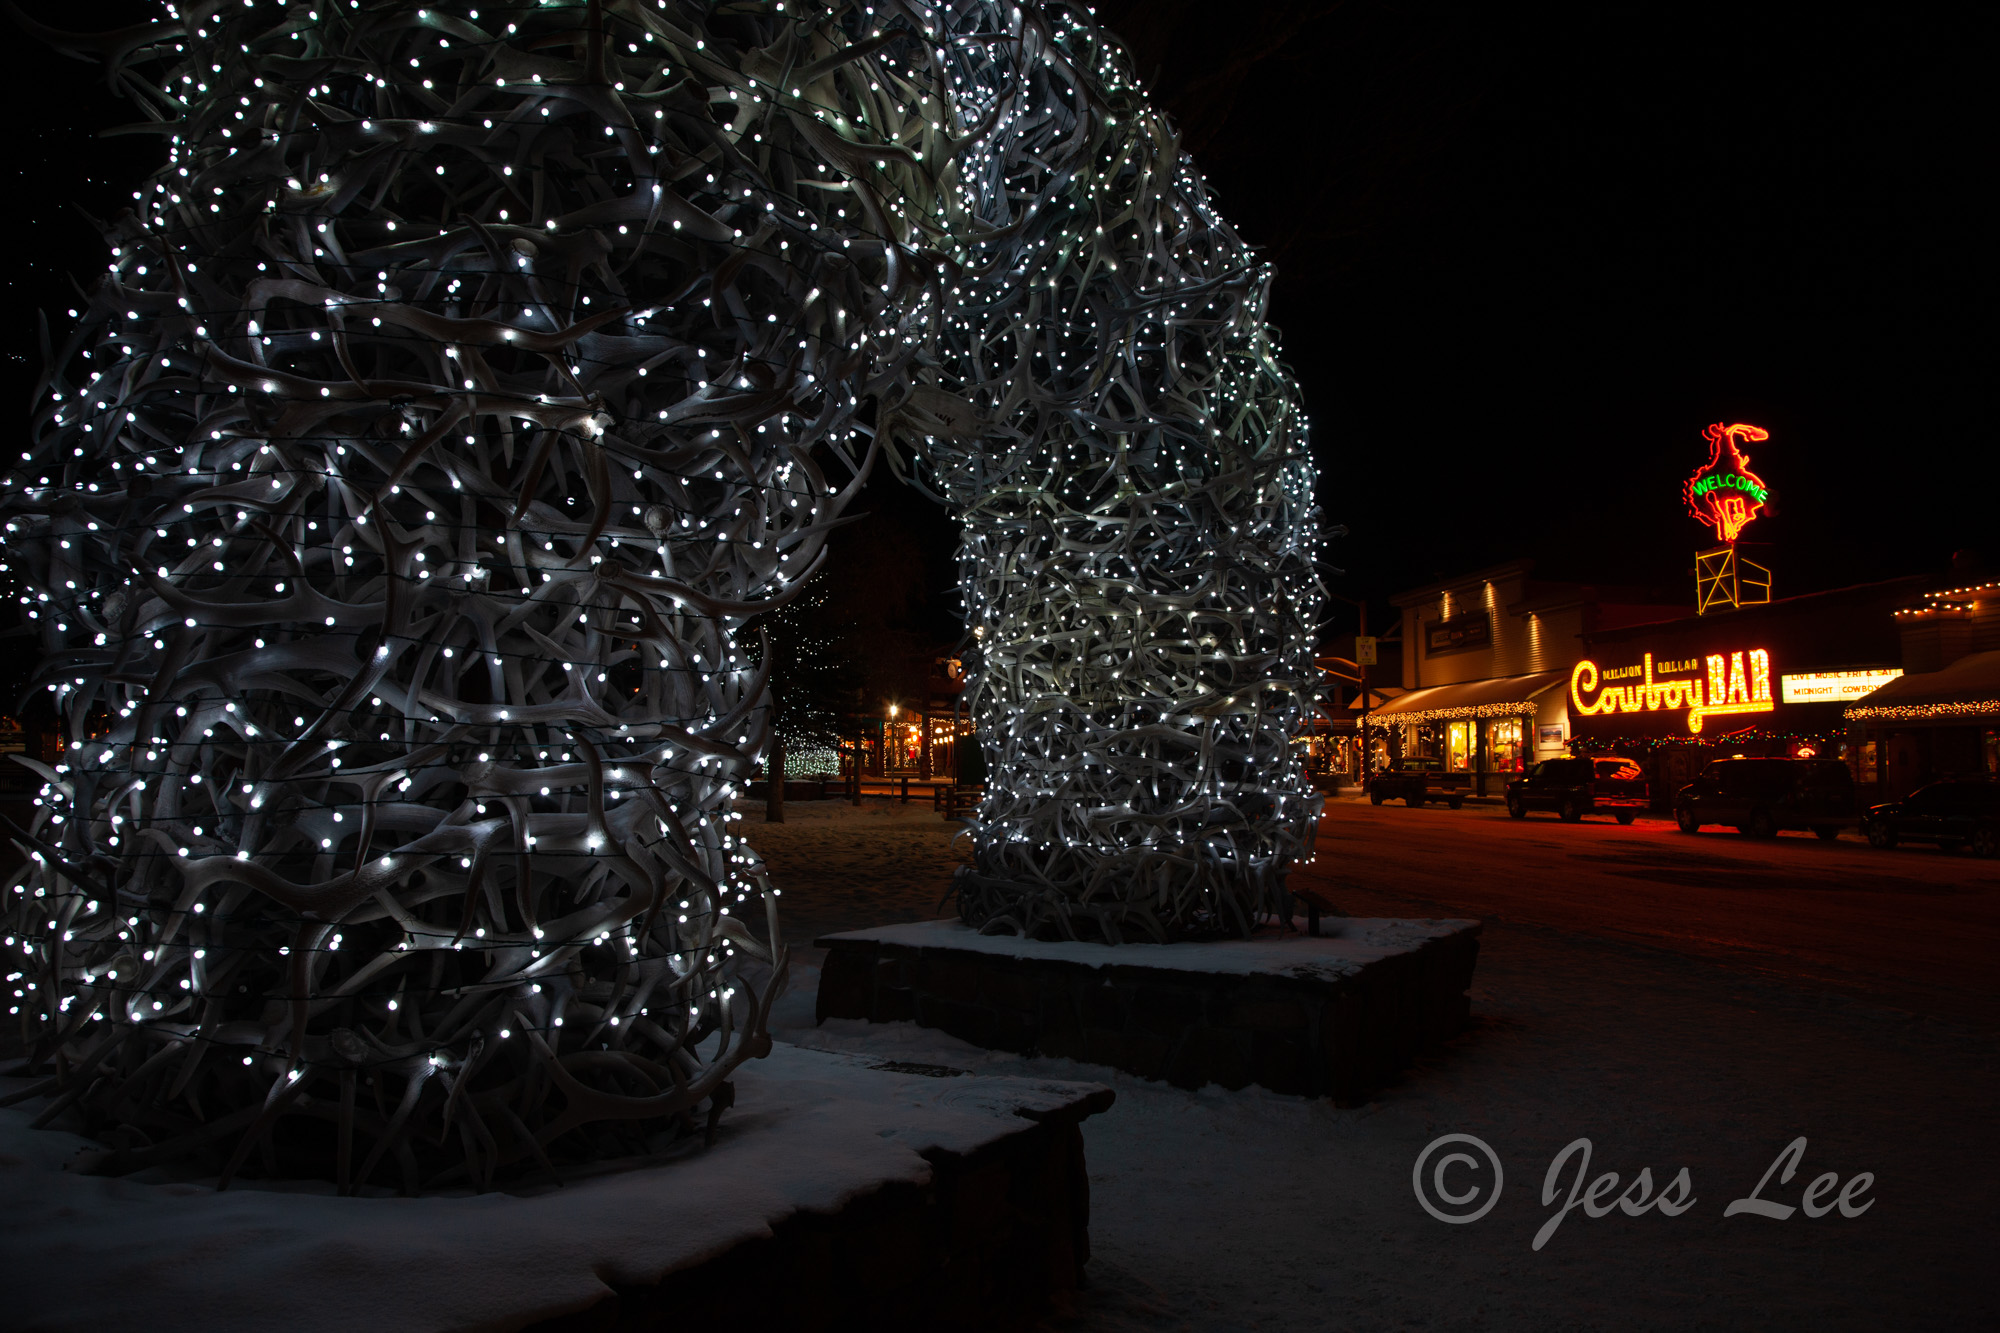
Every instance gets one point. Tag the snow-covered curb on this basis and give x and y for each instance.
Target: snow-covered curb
(811, 1132)
(1350, 945)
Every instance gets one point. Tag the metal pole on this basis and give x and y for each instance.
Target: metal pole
(1361, 669)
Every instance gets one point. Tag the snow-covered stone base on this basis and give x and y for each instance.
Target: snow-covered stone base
(1323, 1016)
(841, 1190)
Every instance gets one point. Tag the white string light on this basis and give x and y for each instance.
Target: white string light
(368, 532)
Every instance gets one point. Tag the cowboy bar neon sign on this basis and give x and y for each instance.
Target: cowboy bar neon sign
(1735, 683)
(1725, 493)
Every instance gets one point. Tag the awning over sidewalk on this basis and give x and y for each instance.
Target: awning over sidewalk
(1965, 691)
(1501, 696)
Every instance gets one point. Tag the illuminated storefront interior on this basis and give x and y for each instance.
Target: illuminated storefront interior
(925, 739)
(1479, 727)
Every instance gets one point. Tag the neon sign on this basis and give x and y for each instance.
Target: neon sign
(1721, 685)
(1825, 686)
(1725, 494)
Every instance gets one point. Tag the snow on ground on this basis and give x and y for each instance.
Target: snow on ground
(1353, 944)
(840, 866)
(1218, 1210)
(811, 1132)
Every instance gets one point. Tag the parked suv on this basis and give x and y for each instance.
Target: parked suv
(1758, 797)
(1576, 787)
(1417, 779)
(1952, 814)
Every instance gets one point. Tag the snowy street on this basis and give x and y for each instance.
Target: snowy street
(1914, 928)
(1669, 998)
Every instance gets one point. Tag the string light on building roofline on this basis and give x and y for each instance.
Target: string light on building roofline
(1922, 712)
(1521, 708)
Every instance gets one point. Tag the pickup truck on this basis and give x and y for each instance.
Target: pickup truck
(1576, 787)
(1416, 780)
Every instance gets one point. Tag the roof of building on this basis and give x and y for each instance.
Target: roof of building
(1500, 696)
(1803, 602)
(1969, 688)
(1542, 595)
(1471, 578)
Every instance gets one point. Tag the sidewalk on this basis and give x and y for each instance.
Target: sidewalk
(1360, 795)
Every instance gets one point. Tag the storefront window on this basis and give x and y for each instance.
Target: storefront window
(1460, 745)
(906, 745)
(1332, 756)
(1503, 743)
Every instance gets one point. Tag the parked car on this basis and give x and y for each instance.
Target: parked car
(1952, 814)
(1575, 787)
(1416, 779)
(1758, 797)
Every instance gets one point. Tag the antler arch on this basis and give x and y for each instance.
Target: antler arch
(461, 390)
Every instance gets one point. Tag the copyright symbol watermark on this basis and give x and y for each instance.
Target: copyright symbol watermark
(1443, 1192)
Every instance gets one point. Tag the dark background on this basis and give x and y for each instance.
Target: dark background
(1525, 254)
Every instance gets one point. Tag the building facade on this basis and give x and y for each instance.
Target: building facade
(1486, 657)
(925, 734)
(1333, 745)
(1775, 678)
(1941, 717)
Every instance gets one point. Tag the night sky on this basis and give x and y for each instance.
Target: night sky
(1525, 254)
